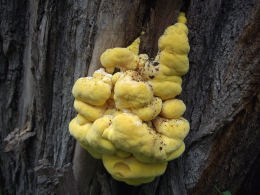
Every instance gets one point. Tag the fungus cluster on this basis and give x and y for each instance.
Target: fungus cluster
(131, 119)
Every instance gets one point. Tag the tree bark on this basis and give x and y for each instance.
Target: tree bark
(46, 45)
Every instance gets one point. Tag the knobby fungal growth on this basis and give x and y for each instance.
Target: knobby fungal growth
(131, 119)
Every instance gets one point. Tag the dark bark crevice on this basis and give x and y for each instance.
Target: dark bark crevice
(228, 154)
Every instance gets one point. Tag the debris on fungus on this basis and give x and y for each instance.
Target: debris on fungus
(131, 119)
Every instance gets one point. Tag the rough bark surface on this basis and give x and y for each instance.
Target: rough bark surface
(45, 45)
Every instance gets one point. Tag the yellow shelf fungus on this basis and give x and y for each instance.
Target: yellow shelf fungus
(131, 119)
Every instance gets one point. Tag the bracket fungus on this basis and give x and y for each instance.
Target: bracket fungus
(131, 119)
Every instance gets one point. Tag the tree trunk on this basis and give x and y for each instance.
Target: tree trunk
(46, 45)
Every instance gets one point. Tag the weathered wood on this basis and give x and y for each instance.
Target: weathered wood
(46, 45)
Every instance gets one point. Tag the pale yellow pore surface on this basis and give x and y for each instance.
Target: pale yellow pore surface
(131, 170)
(130, 119)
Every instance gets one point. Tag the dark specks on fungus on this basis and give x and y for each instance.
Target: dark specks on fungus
(155, 63)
